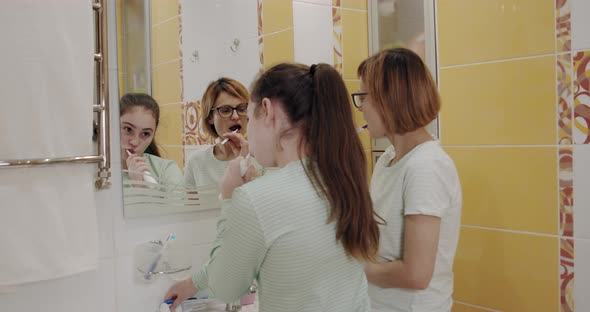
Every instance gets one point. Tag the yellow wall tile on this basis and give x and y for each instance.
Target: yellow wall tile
(476, 31)
(355, 37)
(352, 86)
(458, 307)
(510, 188)
(369, 157)
(175, 153)
(166, 41)
(359, 120)
(277, 15)
(507, 271)
(166, 83)
(510, 102)
(278, 48)
(163, 9)
(355, 4)
(121, 83)
(364, 135)
(170, 129)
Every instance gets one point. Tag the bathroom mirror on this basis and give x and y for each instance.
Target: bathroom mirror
(164, 52)
(172, 50)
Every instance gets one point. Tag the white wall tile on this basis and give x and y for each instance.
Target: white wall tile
(134, 293)
(313, 33)
(92, 291)
(581, 191)
(196, 227)
(242, 65)
(105, 204)
(580, 24)
(202, 26)
(209, 28)
(108, 202)
(582, 274)
(240, 17)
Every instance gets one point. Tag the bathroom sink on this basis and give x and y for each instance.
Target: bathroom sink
(218, 307)
(221, 308)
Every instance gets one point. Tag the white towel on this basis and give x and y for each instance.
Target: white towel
(47, 214)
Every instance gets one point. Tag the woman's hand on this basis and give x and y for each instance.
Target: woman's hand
(237, 143)
(231, 179)
(180, 292)
(136, 166)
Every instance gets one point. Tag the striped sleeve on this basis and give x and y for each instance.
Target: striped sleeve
(237, 252)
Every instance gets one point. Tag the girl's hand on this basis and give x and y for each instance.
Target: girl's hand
(136, 166)
(180, 292)
(233, 179)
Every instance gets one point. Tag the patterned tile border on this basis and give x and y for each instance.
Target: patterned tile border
(581, 131)
(564, 98)
(566, 274)
(337, 35)
(563, 28)
(565, 109)
(260, 38)
(566, 230)
(566, 193)
(193, 131)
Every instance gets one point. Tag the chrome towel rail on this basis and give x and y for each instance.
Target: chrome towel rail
(103, 158)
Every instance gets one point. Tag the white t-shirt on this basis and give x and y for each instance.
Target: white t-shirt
(203, 170)
(423, 182)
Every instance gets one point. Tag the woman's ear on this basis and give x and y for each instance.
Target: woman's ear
(268, 111)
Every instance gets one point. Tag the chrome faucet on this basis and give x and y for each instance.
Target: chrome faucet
(236, 305)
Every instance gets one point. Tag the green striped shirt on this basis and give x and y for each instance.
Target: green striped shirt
(274, 231)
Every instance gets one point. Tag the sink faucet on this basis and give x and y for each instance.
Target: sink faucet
(233, 307)
(237, 305)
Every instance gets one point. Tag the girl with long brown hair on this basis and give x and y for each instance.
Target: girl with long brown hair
(140, 157)
(304, 231)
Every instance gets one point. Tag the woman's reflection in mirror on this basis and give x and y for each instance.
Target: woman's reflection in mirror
(223, 116)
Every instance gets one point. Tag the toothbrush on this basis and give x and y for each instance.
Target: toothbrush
(171, 301)
(227, 139)
(360, 129)
(189, 303)
(170, 237)
(147, 177)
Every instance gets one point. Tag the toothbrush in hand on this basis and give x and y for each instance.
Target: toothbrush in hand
(227, 139)
(147, 177)
(360, 129)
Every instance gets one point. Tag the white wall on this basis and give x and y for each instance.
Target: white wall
(210, 27)
(113, 286)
